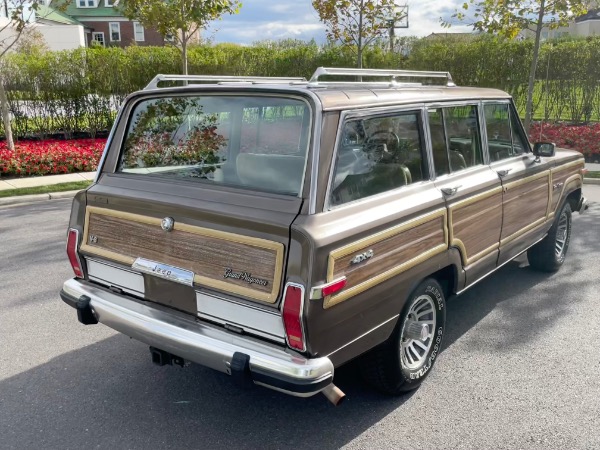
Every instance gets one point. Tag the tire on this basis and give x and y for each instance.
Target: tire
(393, 367)
(550, 253)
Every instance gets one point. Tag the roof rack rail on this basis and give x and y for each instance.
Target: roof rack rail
(383, 73)
(216, 79)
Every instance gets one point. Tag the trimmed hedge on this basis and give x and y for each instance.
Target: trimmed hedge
(75, 92)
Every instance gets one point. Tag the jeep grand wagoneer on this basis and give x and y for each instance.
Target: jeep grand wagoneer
(275, 229)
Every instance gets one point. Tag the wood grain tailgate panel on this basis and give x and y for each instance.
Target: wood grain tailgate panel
(123, 237)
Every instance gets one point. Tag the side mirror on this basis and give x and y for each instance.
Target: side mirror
(546, 149)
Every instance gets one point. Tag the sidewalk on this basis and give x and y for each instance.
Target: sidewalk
(47, 180)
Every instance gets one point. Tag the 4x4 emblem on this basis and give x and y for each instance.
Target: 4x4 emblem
(362, 257)
(167, 224)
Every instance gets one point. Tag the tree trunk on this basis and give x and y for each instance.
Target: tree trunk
(360, 36)
(534, 63)
(10, 143)
(184, 53)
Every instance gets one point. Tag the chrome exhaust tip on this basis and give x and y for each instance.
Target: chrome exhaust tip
(334, 394)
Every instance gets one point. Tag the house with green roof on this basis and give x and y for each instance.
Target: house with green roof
(103, 24)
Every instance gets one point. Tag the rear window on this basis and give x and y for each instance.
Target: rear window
(254, 142)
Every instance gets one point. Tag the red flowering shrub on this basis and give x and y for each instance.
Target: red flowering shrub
(583, 138)
(51, 157)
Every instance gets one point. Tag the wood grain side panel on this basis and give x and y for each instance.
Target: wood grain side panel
(395, 250)
(475, 226)
(202, 251)
(525, 202)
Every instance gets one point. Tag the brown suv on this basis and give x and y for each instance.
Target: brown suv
(275, 229)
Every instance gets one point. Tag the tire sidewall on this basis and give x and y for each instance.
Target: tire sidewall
(566, 209)
(415, 376)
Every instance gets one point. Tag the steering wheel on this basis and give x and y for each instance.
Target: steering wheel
(387, 138)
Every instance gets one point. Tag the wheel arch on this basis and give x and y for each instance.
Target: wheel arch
(573, 198)
(448, 279)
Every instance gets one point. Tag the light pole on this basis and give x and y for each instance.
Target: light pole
(398, 18)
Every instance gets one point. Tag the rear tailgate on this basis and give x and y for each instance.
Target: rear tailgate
(234, 252)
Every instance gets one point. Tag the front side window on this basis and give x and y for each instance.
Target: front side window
(252, 142)
(456, 141)
(520, 142)
(505, 137)
(376, 155)
(115, 31)
(497, 124)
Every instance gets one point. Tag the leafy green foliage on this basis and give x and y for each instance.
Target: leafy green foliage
(509, 17)
(76, 91)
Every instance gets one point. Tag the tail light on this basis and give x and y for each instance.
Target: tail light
(293, 303)
(72, 243)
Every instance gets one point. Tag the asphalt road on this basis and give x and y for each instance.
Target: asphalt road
(520, 368)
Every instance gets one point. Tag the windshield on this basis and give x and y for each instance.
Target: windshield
(256, 142)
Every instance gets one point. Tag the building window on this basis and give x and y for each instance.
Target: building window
(115, 31)
(86, 3)
(138, 31)
(110, 3)
(98, 38)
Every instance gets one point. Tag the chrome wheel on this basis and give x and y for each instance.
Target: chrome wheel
(562, 236)
(417, 332)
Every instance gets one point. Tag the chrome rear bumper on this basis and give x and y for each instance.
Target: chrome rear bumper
(202, 343)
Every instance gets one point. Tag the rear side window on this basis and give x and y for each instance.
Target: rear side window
(253, 142)
(455, 138)
(376, 155)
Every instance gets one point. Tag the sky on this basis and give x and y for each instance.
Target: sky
(279, 19)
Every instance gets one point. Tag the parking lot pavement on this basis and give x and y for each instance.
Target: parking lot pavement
(519, 369)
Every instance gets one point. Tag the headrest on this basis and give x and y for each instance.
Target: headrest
(277, 173)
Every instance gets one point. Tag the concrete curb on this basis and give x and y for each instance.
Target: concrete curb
(19, 199)
(591, 181)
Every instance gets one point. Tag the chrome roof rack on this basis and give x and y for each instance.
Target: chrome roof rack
(392, 75)
(220, 79)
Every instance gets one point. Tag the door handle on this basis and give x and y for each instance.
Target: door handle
(450, 191)
(503, 173)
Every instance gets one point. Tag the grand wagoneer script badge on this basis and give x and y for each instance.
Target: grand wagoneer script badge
(244, 276)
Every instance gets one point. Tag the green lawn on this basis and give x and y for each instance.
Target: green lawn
(592, 175)
(73, 186)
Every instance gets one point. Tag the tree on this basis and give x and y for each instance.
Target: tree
(509, 17)
(179, 19)
(15, 20)
(357, 23)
